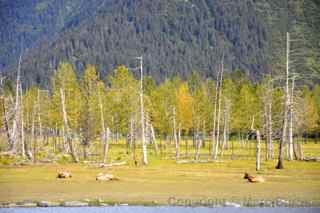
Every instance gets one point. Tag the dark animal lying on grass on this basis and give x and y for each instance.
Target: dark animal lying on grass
(64, 175)
(253, 179)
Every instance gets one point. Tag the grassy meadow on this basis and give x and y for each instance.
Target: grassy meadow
(162, 179)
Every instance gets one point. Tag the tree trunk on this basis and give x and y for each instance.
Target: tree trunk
(258, 151)
(105, 133)
(106, 145)
(22, 124)
(290, 157)
(66, 147)
(179, 133)
(27, 145)
(134, 150)
(269, 131)
(6, 123)
(219, 109)
(295, 151)
(85, 150)
(33, 138)
(15, 132)
(215, 117)
(153, 139)
(66, 128)
(39, 115)
(265, 125)
(144, 145)
(225, 127)
(286, 105)
(187, 147)
(301, 151)
(175, 135)
(131, 134)
(166, 144)
(198, 143)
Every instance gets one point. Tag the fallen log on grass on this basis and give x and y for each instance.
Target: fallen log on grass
(311, 159)
(101, 165)
(198, 161)
(8, 154)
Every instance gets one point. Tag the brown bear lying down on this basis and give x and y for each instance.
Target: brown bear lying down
(105, 177)
(64, 175)
(253, 179)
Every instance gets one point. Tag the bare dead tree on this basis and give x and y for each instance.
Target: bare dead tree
(226, 113)
(153, 139)
(286, 107)
(267, 114)
(15, 128)
(5, 113)
(23, 146)
(258, 144)
(131, 133)
(198, 141)
(215, 116)
(258, 150)
(144, 145)
(39, 115)
(269, 128)
(105, 132)
(291, 115)
(175, 138)
(33, 138)
(219, 110)
(66, 127)
(133, 139)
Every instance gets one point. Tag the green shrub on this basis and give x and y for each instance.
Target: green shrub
(7, 159)
(64, 159)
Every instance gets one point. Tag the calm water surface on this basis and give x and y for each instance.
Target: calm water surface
(140, 209)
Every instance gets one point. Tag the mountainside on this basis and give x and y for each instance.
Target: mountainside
(175, 37)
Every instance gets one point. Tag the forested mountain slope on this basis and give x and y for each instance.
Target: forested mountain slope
(175, 37)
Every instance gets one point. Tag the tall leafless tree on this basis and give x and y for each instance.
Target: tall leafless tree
(66, 127)
(286, 108)
(143, 139)
(219, 110)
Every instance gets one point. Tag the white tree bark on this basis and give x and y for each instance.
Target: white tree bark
(269, 130)
(215, 117)
(219, 111)
(144, 145)
(39, 115)
(131, 133)
(23, 151)
(153, 139)
(33, 138)
(106, 145)
(291, 156)
(105, 133)
(198, 141)
(267, 101)
(226, 113)
(258, 150)
(286, 106)
(15, 133)
(258, 145)
(66, 127)
(6, 121)
(175, 138)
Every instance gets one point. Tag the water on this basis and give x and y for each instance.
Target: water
(167, 209)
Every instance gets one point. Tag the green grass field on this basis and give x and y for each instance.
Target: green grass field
(164, 178)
